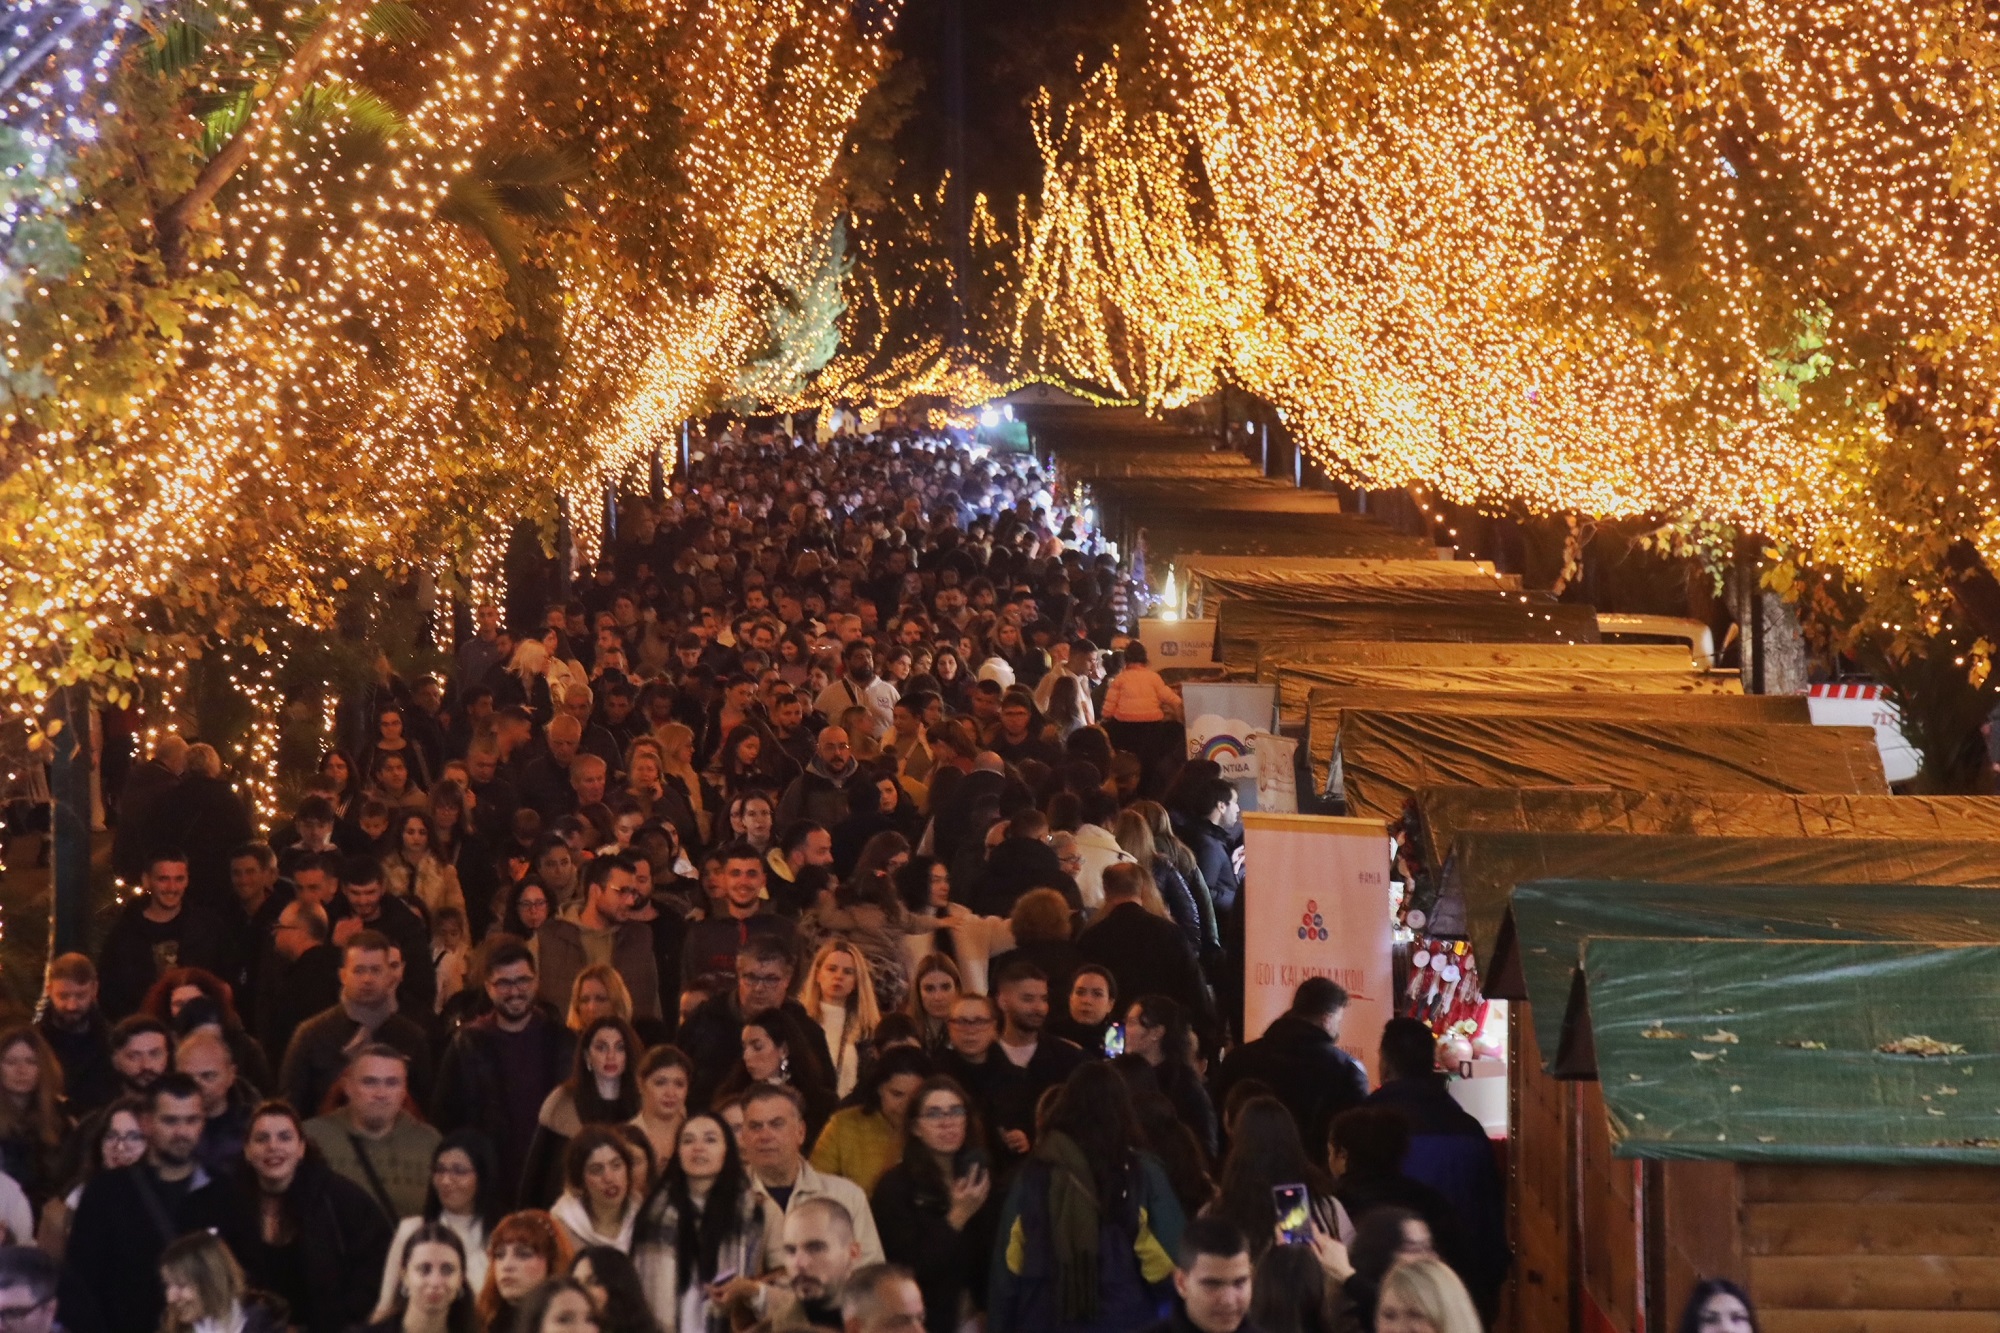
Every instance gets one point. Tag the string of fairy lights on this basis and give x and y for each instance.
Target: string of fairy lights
(1726, 261)
(386, 368)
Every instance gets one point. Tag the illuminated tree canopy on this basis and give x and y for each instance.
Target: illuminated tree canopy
(350, 286)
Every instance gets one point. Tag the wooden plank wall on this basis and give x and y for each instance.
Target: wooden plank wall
(1836, 1249)
(1607, 1220)
(1540, 1181)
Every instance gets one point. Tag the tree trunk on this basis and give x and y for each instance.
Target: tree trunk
(69, 900)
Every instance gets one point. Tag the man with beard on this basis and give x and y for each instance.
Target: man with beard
(127, 1217)
(859, 686)
(501, 1066)
(820, 793)
(76, 1031)
(820, 1254)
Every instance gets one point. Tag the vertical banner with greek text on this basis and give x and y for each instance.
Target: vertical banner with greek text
(1316, 903)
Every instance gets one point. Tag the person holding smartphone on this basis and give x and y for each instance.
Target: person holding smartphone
(936, 1208)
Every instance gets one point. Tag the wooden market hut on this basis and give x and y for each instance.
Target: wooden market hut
(1715, 1099)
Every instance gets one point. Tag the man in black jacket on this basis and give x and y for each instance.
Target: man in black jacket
(712, 1036)
(1020, 861)
(1022, 992)
(1147, 954)
(1448, 1151)
(1300, 1059)
(301, 977)
(501, 1066)
(75, 1030)
(363, 904)
(156, 931)
(127, 1217)
(365, 1012)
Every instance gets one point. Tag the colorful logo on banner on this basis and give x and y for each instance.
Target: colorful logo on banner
(1215, 737)
(1312, 923)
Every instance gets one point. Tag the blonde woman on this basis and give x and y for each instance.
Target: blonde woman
(839, 994)
(1424, 1296)
(598, 991)
(206, 1293)
(677, 768)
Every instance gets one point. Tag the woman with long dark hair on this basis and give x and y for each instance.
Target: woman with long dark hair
(603, 1171)
(559, 1305)
(1717, 1305)
(118, 1138)
(779, 1049)
(602, 1090)
(865, 1137)
(463, 1198)
(934, 986)
(32, 1122)
(1264, 1152)
(301, 1230)
(612, 1283)
(1156, 1030)
(936, 1208)
(1098, 1220)
(431, 1290)
(703, 1223)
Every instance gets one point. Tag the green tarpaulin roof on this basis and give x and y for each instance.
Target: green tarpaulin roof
(1326, 703)
(1546, 921)
(1768, 1095)
(1387, 756)
(1484, 868)
(1446, 811)
(1245, 630)
(1307, 658)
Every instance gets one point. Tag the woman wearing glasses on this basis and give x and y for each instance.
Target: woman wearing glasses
(119, 1142)
(935, 1208)
(464, 1198)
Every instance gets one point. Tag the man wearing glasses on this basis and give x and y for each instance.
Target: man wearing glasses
(601, 931)
(501, 1066)
(712, 1036)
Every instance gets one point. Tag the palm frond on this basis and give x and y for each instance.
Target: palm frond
(365, 114)
(179, 45)
(528, 180)
(225, 115)
(395, 21)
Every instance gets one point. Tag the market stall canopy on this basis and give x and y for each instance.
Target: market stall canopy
(1204, 565)
(1170, 534)
(1385, 757)
(1565, 657)
(1326, 704)
(1297, 683)
(1175, 496)
(1548, 924)
(1245, 630)
(1444, 812)
(1487, 871)
(1205, 592)
(1860, 1052)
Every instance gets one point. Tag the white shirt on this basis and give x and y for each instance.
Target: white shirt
(878, 696)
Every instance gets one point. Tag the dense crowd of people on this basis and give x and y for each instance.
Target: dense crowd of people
(808, 921)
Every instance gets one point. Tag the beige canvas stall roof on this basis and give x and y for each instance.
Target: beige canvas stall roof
(1386, 757)
(1244, 630)
(1203, 565)
(1444, 812)
(1205, 592)
(1296, 683)
(1326, 703)
(1464, 656)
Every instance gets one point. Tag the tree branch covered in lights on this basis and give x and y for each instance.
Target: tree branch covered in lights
(352, 287)
(1728, 264)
